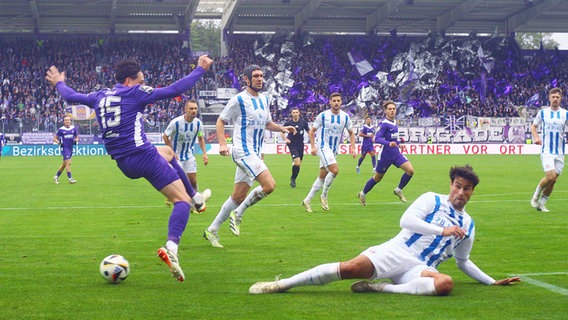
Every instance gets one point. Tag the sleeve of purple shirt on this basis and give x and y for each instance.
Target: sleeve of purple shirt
(73, 96)
(379, 138)
(177, 88)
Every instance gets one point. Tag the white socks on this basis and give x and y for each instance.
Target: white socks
(423, 286)
(253, 197)
(322, 274)
(172, 246)
(327, 184)
(315, 188)
(537, 192)
(223, 214)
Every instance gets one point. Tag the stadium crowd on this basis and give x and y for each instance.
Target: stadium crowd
(433, 76)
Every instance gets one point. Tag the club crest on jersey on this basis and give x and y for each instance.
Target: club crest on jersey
(146, 89)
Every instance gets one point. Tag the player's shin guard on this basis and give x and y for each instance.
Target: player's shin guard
(181, 174)
(178, 221)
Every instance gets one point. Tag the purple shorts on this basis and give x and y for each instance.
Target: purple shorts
(150, 165)
(386, 161)
(367, 148)
(66, 153)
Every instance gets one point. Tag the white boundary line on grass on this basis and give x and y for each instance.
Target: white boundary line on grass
(526, 278)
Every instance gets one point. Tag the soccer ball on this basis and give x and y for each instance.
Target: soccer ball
(114, 268)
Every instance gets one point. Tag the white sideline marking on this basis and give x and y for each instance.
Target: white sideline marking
(526, 278)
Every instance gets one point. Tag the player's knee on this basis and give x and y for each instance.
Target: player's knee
(238, 198)
(443, 285)
(268, 188)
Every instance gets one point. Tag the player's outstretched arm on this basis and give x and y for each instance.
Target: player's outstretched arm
(54, 76)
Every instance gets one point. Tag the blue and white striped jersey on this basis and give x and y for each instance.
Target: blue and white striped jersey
(330, 128)
(183, 135)
(250, 115)
(552, 131)
(432, 247)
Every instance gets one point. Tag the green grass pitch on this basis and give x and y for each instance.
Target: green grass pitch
(53, 237)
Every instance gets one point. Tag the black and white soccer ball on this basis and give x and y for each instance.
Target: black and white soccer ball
(114, 268)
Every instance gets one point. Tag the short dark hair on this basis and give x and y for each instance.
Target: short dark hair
(126, 69)
(386, 103)
(465, 172)
(334, 94)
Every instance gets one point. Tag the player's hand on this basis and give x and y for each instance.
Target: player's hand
(54, 76)
(204, 62)
(507, 281)
(205, 159)
(289, 129)
(455, 231)
(287, 141)
(537, 141)
(224, 150)
(314, 151)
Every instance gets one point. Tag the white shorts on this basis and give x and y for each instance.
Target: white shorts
(189, 165)
(552, 162)
(248, 168)
(327, 157)
(394, 262)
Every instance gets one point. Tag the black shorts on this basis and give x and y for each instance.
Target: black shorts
(296, 151)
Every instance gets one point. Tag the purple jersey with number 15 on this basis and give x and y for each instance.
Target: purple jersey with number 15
(120, 111)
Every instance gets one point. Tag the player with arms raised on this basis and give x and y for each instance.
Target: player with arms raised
(120, 114)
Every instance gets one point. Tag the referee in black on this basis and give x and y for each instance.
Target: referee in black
(295, 142)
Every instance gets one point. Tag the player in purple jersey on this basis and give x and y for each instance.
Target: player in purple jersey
(295, 142)
(120, 115)
(367, 132)
(435, 228)
(387, 136)
(66, 136)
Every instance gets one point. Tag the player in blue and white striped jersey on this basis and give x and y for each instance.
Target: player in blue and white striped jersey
(435, 228)
(249, 111)
(553, 120)
(325, 135)
(180, 135)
